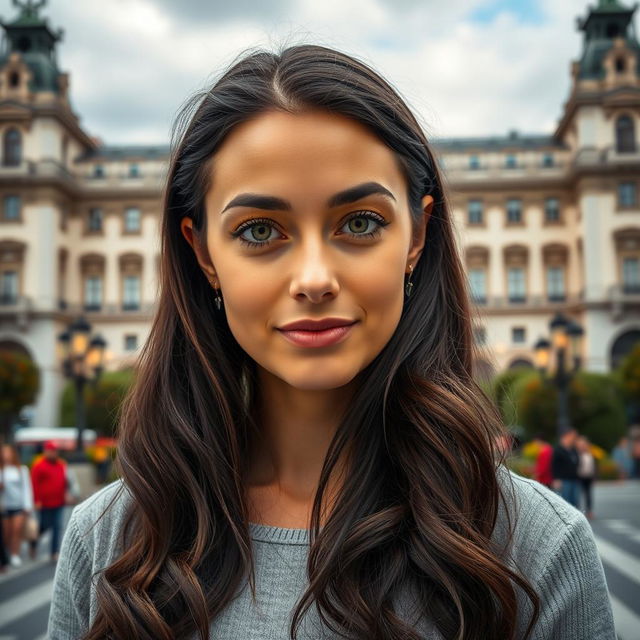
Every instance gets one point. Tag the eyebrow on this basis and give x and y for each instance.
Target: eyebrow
(272, 203)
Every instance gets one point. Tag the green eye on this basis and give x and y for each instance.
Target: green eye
(358, 224)
(260, 232)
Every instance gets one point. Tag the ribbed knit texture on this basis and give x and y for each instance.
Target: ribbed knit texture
(553, 546)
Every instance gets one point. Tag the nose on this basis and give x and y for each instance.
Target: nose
(314, 276)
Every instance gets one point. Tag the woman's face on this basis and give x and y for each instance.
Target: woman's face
(324, 203)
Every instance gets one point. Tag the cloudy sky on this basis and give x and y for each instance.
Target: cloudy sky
(467, 67)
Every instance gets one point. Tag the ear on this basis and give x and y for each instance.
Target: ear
(199, 248)
(420, 232)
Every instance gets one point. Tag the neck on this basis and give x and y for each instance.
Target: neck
(296, 428)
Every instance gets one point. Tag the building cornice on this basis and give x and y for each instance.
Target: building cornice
(618, 97)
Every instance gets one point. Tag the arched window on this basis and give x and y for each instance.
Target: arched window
(625, 135)
(12, 148)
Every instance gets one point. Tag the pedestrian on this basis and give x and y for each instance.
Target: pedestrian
(542, 469)
(304, 448)
(635, 450)
(49, 480)
(4, 556)
(564, 467)
(621, 455)
(587, 473)
(18, 502)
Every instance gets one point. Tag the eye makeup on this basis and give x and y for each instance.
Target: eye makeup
(368, 216)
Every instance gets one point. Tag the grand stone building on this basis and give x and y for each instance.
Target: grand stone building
(547, 223)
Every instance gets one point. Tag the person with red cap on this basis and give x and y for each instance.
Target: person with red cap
(49, 481)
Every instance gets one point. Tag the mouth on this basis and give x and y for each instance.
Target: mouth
(317, 338)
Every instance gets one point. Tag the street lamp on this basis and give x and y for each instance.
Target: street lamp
(565, 343)
(82, 361)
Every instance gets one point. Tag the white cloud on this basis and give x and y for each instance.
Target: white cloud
(133, 62)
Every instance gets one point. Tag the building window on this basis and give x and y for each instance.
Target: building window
(95, 219)
(474, 162)
(514, 211)
(631, 275)
(518, 335)
(620, 65)
(625, 135)
(134, 171)
(131, 298)
(130, 342)
(98, 171)
(510, 161)
(547, 160)
(9, 284)
(627, 194)
(132, 219)
(555, 284)
(11, 209)
(515, 284)
(12, 148)
(480, 335)
(14, 79)
(92, 293)
(475, 211)
(478, 285)
(552, 210)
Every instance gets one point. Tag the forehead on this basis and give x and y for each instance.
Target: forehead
(305, 153)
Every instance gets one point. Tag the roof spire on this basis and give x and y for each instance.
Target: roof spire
(30, 8)
(605, 4)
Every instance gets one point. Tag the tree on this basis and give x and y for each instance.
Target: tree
(628, 377)
(596, 407)
(102, 401)
(504, 393)
(19, 386)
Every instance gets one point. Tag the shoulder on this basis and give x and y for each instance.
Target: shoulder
(542, 523)
(548, 532)
(96, 522)
(530, 499)
(538, 518)
(554, 547)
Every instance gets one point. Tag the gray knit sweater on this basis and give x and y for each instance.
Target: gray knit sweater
(553, 546)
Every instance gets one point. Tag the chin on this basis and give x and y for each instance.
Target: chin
(319, 379)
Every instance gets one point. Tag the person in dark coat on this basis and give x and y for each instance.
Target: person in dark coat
(564, 467)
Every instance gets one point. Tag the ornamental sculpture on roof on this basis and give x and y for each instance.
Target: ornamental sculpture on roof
(30, 7)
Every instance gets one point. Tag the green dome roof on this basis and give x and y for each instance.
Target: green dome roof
(603, 25)
(29, 35)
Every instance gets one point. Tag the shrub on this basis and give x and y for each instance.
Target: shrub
(19, 386)
(596, 407)
(102, 402)
(504, 394)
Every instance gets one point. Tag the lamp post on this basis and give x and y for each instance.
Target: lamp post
(565, 345)
(82, 361)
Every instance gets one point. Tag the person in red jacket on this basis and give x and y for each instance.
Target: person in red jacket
(49, 481)
(543, 462)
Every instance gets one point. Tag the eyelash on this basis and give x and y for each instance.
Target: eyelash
(369, 215)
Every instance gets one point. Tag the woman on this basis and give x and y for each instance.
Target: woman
(587, 472)
(18, 502)
(304, 421)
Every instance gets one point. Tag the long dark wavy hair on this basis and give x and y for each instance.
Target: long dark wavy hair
(420, 498)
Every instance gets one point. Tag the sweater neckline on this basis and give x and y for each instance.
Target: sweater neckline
(278, 535)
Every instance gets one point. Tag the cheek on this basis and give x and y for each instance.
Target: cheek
(381, 295)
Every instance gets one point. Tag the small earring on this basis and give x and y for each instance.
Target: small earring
(409, 285)
(217, 299)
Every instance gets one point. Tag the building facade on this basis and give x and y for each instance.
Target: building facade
(546, 223)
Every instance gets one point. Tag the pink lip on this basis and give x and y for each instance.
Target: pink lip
(323, 338)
